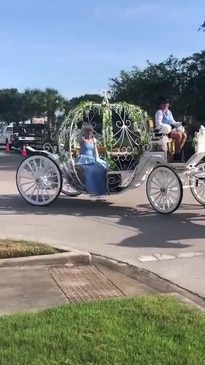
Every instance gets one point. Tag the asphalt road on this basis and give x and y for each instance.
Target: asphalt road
(125, 228)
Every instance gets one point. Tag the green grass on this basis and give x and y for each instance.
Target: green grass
(12, 248)
(153, 330)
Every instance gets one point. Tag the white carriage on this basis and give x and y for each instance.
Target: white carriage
(133, 153)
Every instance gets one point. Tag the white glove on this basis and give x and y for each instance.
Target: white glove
(165, 128)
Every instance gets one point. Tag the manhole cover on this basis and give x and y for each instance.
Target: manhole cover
(83, 283)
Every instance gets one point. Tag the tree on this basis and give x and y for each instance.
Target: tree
(10, 105)
(53, 102)
(143, 87)
(38, 103)
(72, 103)
(33, 104)
(193, 91)
(182, 81)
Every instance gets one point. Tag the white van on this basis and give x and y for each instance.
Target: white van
(6, 135)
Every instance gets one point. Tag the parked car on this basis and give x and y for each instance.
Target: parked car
(6, 136)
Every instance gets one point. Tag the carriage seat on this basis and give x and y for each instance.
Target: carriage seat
(102, 151)
(155, 130)
(157, 134)
(76, 151)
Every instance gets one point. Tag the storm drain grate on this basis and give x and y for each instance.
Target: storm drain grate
(83, 283)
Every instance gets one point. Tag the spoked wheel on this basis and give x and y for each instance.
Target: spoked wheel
(164, 189)
(197, 184)
(39, 180)
(68, 190)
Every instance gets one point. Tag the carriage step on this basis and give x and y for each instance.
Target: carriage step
(178, 166)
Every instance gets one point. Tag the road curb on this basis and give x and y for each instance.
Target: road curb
(75, 257)
(187, 301)
(160, 284)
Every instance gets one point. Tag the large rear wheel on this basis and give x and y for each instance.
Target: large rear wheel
(39, 180)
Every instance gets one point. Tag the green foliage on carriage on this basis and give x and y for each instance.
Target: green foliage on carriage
(119, 126)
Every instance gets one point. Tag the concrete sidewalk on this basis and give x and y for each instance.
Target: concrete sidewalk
(33, 288)
(28, 288)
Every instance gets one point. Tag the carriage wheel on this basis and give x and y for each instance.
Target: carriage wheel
(68, 190)
(39, 180)
(197, 184)
(164, 189)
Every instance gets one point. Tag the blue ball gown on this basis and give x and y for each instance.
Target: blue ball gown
(95, 169)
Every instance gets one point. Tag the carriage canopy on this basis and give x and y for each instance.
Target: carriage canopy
(120, 130)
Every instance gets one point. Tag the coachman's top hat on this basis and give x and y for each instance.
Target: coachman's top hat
(163, 100)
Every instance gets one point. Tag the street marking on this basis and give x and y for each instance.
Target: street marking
(163, 257)
(189, 254)
(147, 258)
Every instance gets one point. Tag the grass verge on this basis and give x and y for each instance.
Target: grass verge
(12, 248)
(152, 330)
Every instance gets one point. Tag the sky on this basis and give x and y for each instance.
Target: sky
(76, 46)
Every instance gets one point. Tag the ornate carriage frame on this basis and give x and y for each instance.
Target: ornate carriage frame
(124, 141)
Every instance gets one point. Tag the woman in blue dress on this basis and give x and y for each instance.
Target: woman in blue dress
(95, 169)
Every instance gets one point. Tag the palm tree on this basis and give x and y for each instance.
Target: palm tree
(33, 103)
(53, 102)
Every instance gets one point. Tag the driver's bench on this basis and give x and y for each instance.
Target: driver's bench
(156, 136)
